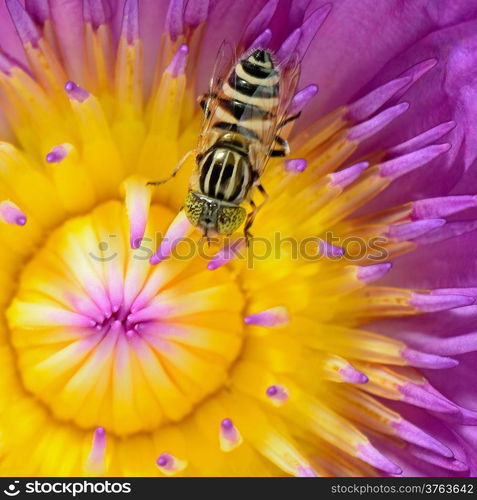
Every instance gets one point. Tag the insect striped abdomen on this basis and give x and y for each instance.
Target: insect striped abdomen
(250, 94)
(225, 174)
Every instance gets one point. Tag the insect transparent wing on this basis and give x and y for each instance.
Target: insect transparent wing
(289, 71)
(290, 74)
(225, 61)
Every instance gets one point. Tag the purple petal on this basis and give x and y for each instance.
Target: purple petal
(70, 34)
(373, 457)
(412, 230)
(260, 21)
(26, 28)
(369, 104)
(130, 21)
(404, 164)
(432, 303)
(97, 12)
(442, 207)
(39, 10)
(451, 464)
(425, 360)
(378, 122)
(419, 141)
(413, 434)
(449, 231)
(419, 395)
(196, 12)
(175, 19)
(310, 27)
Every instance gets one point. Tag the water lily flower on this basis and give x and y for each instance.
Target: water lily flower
(347, 347)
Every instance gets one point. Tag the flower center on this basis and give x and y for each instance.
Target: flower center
(105, 339)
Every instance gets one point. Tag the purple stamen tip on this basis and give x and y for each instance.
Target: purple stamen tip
(227, 424)
(135, 242)
(163, 460)
(272, 390)
(295, 165)
(178, 63)
(289, 45)
(329, 250)
(348, 175)
(11, 214)
(302, 98)
(263, 40)
(56, 155)
(353, 376)
(277, 394)
(371, 273)
(75, 92)
(274, 317)
(99, 432)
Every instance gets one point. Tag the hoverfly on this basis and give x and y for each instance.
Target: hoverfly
(244, 110)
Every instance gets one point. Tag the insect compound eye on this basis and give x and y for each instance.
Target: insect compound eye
(230, 219)
(193, 208)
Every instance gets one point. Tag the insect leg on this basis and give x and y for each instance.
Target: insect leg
(248, 223)
(203, 101)
(174, 172)
(283, 147)
(288, 120)
(251, 216)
